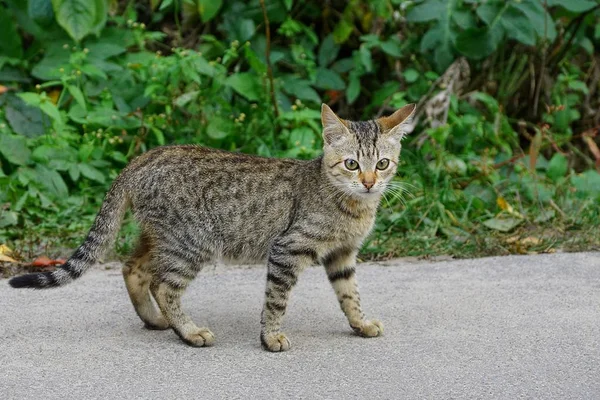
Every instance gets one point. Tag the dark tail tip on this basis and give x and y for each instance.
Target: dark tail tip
(34, 281)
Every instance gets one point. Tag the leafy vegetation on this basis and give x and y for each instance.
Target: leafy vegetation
(504, 156)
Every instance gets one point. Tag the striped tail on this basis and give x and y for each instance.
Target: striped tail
(101, 235)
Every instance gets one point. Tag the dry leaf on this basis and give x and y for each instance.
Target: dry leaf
(44, 261)
(54, 95)
(530, 241)
(5, 258)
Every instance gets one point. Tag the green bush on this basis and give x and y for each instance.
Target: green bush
(507, 94)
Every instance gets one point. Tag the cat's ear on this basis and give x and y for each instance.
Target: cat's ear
(334, 128)
(394, 125)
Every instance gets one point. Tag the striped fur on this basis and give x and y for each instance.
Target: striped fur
(195, 205)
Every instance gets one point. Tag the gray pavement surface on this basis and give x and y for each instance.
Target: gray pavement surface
(506, 327)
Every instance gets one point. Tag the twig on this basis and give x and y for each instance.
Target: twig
(268, 57)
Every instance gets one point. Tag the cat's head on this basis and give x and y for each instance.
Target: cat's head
(362, 157)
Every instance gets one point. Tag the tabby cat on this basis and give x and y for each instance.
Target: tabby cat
(195, 205)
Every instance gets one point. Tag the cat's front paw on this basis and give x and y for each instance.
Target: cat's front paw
(369, 328)
(275, 341)
(200, 337)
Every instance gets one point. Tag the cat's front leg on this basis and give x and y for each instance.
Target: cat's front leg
(284, 266)
(340, 268)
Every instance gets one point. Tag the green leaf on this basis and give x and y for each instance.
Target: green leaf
(503, 224)
(77, 17)
(14, 149)
(410, 75)
(353, 90)
(518, 26)
(8, 218)
(539, 18)
(428, 10)
(478, 43)
(219, 127)
(51, 181)
(342, 31)
(328, 51)
(40, 11)
(208, 9)
(301, 89)
(77, 95)
(10, 40)
(328, 79)
(91, 173)
(577, 6)
(185, 98)
(100, 20)
(51, 110)
(587, 183)
(544, 216)
(365, 58)
(25, 119)
(392, 47)
(245, 84)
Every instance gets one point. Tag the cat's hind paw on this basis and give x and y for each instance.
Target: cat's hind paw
(275, 342)
(369, 328)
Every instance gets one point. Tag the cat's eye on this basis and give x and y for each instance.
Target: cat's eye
(383, 164)
(351, 164)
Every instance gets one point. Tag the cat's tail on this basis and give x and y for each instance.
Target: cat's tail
(102, 234)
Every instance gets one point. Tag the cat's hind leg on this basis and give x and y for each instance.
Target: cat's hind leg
(137, 280)
(167, 287)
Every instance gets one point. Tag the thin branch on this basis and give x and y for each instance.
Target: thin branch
(268, 57)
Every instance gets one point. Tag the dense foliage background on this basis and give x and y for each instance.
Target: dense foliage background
(504, 156)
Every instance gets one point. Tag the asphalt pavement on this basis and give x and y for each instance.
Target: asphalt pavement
(505, 328)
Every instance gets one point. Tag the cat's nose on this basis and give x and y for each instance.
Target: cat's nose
(368, 184)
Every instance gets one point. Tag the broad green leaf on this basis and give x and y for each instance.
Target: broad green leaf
(91, 173)
(328, 51)
(576, 6)
(342, 31)
(504, 224)
(14, 149)
(478, 43)
(49, 67)
(208, 9)
(77, 95)
(245, 84)
(540, 19)
(587, 184)
(51, 110)
(365, 58)
(77, 17)
(185, 98)
(328, 79)
(51, 181)
(40, 11)
(410, 75)
(353, 90)
(8, 218)
(558, 167)
(301, 89)
(544, 216)
(10, 40)
(517, 26)
(392, 47)
(428, 10)
(219, 127)
(24, 119)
